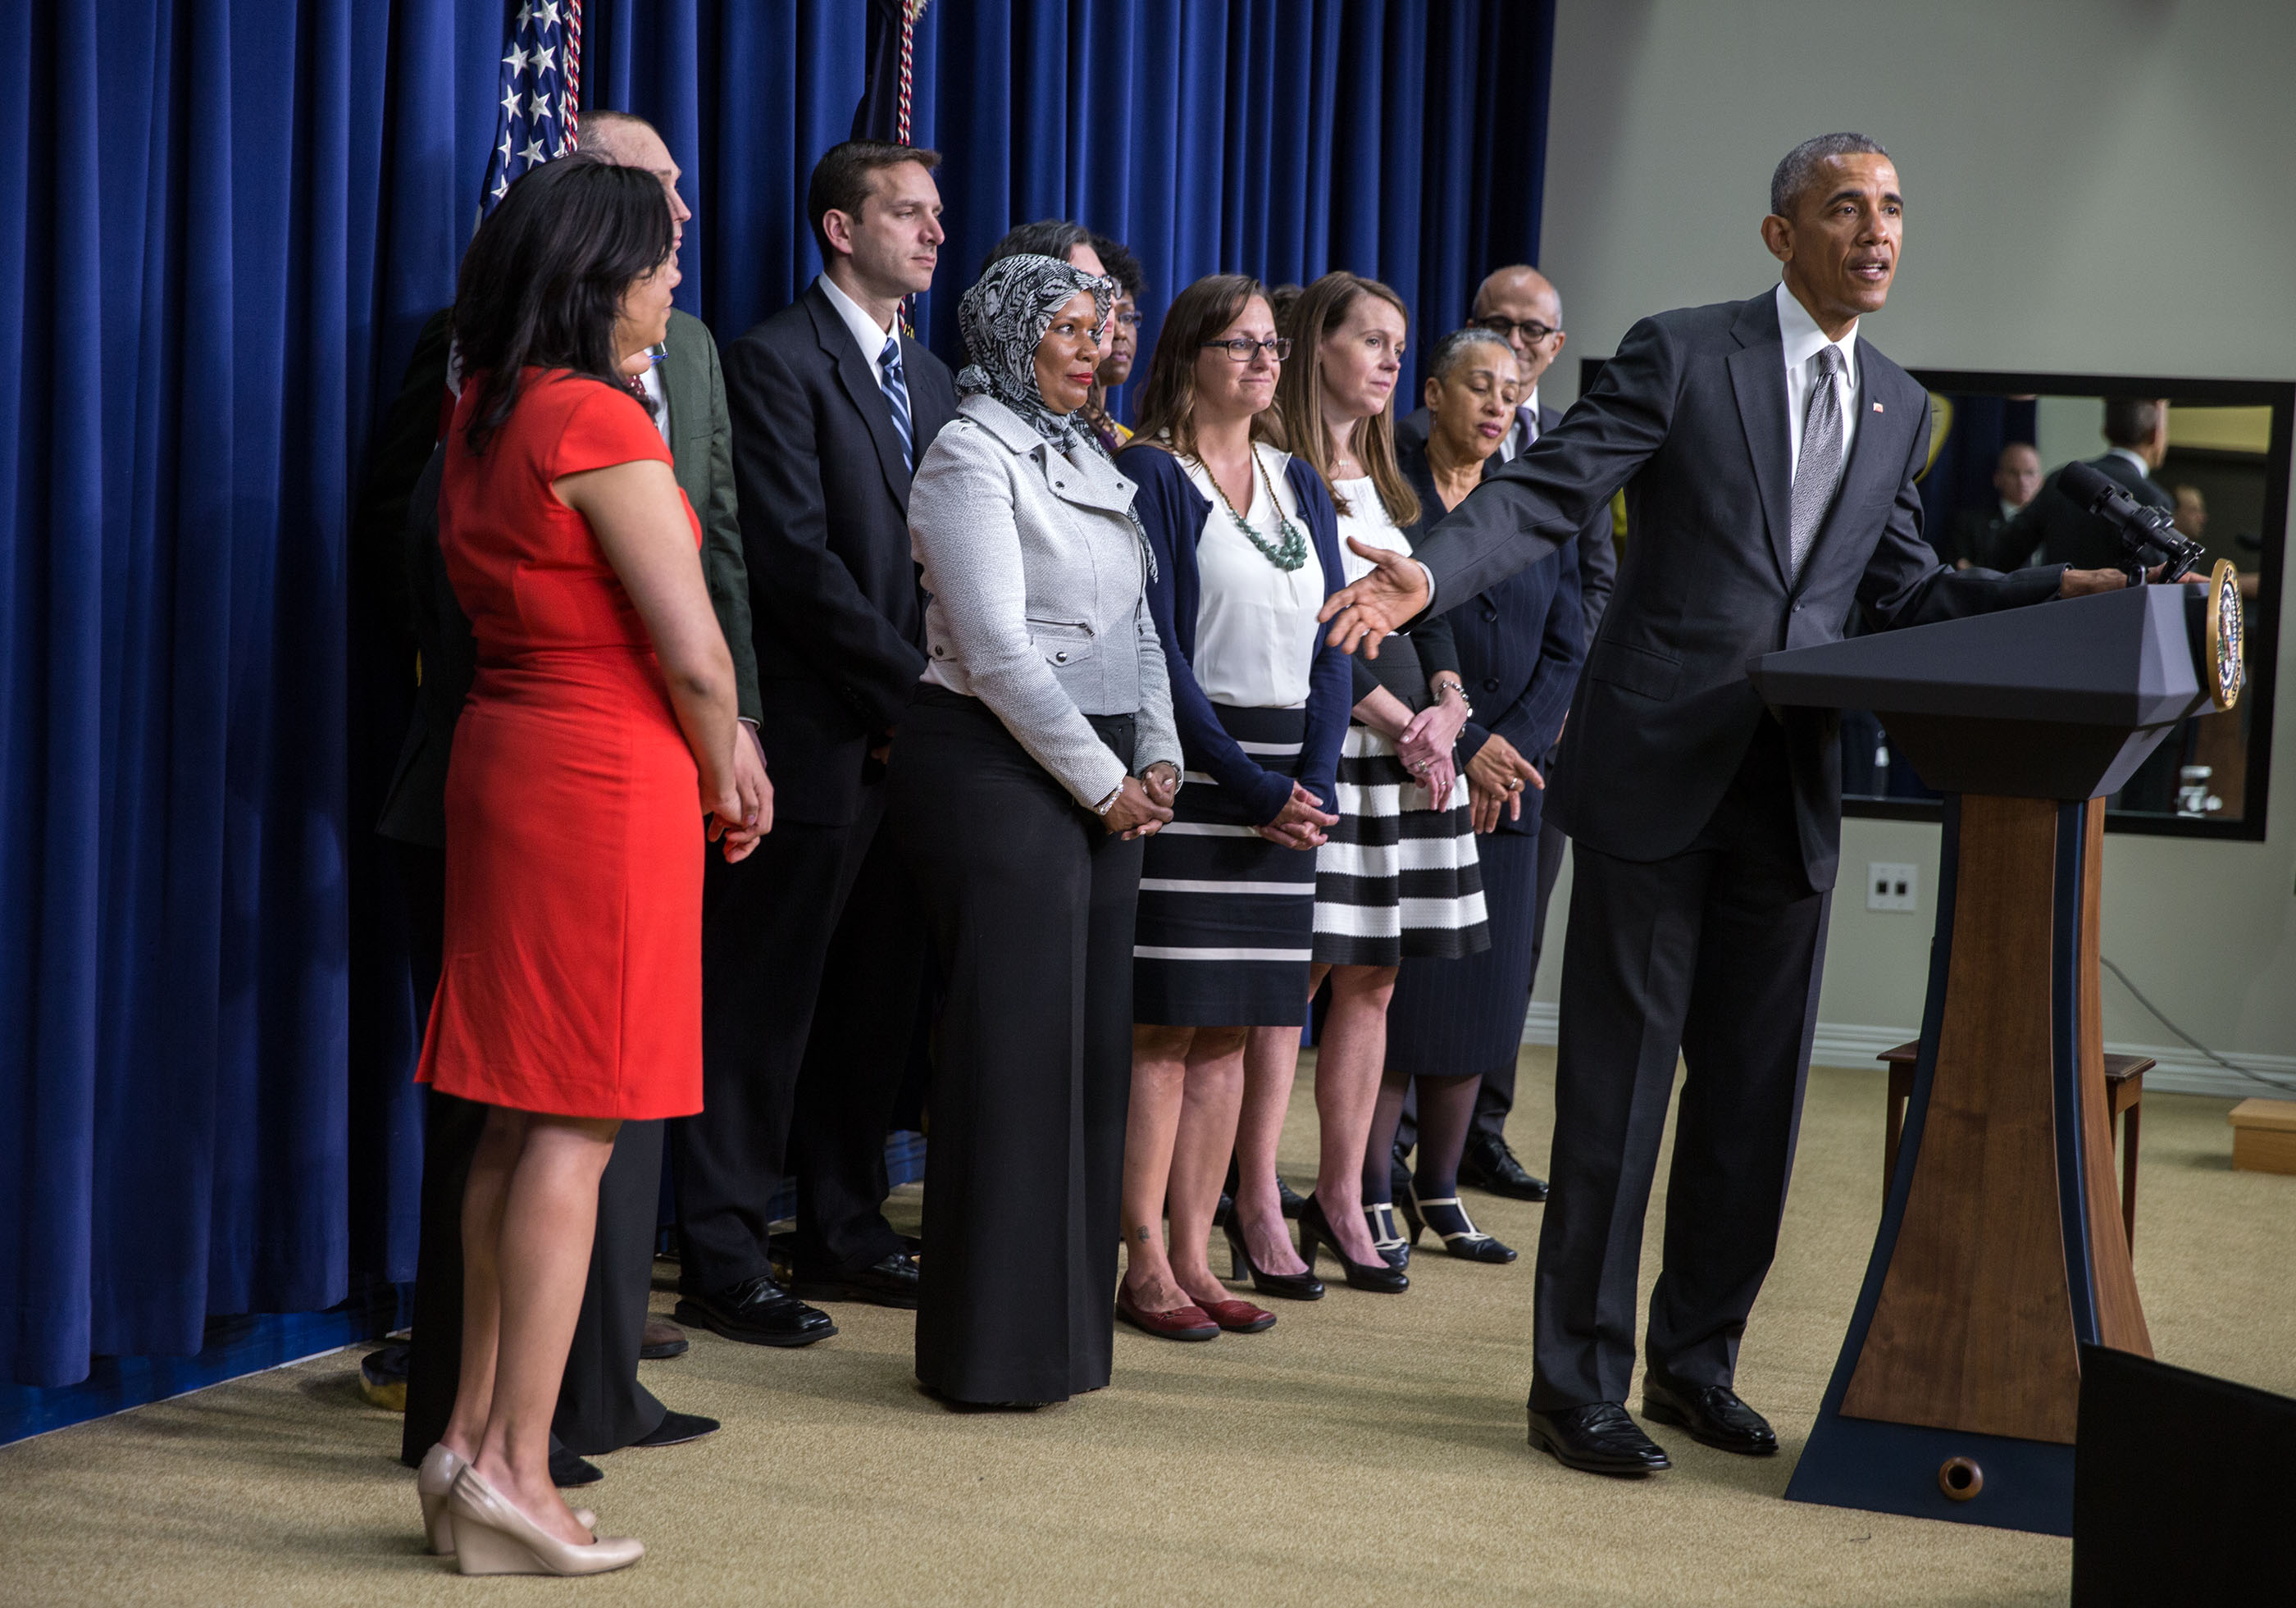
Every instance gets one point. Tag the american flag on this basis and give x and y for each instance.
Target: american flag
(541, 88)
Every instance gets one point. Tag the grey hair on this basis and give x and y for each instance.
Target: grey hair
(1800, 168)
(1452, 350)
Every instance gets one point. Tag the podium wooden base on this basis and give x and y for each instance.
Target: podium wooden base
(1958, 1386)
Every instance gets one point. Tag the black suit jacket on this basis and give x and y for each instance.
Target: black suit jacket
(1982, 536)
(824, 499)
(2066, 533)
(1690, 418)
(1598, 554)
(701, 444)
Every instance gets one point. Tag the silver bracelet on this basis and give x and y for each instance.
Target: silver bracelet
(1447, 688)
(1108, 803)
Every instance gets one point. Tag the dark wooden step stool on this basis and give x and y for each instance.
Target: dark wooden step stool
(2124, 1091)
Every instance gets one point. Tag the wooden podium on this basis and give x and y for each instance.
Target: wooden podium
(2000, 1251)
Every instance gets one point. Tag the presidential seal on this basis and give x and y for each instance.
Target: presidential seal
(2227, 664)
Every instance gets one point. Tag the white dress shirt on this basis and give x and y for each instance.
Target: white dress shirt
(1255, 629)
(1803, 339)
(868, 335)
(655, 394)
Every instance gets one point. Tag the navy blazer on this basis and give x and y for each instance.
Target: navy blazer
(836, 618)
(1519, 647)
(1690, 418)
(1173, 513)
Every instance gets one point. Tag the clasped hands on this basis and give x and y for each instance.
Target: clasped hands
(1300, 823)
(744, 810)
(1496, 778)
(1144, 803)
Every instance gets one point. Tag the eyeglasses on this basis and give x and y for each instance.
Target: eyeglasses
(1241, 350)
(1533, 331)
(1129, 320)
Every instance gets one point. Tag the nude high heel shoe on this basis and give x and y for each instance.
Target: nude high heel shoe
(434, 1480)
(492, 1536)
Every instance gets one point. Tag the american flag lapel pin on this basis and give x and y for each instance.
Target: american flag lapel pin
(1877, 407)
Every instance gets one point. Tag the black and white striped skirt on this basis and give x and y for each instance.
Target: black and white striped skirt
(1227, 917)
(1399, 875)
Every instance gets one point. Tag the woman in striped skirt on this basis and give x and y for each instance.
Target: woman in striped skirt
(1398, 876)
(1246, 554)
(1519, 645)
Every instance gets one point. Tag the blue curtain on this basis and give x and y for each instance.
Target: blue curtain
(221, 224)
(1403, 139)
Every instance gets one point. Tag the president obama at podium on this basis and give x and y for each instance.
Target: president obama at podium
(1768, 454)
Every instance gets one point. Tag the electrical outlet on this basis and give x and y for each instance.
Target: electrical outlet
(1889, 887)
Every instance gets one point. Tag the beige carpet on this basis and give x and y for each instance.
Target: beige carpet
(1367, 1449)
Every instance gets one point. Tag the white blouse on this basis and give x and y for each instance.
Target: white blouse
(1256, 626)
(1366, 520)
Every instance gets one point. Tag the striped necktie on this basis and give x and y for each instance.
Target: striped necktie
(897, 394)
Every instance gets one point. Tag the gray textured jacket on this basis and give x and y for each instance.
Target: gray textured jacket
(1036, 595)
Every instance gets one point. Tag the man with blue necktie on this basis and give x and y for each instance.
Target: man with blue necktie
(812, 950)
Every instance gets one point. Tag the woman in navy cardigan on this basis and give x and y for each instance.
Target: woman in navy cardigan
(1246, 549)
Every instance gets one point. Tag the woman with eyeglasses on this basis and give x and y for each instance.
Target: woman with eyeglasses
(1039, 753)
(1451, 1021)
(1398, 876)
(1247, 549)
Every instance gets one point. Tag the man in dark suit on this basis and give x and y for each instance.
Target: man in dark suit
(2061, 532)
(1522, 305)
(813, 951)
(602, 1407)
(1979, 536)
(1768, 457)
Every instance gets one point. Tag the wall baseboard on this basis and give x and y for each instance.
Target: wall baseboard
(2182, 1070)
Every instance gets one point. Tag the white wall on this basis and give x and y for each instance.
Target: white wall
(2098, 187)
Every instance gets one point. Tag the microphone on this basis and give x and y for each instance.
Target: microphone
(2149, 535)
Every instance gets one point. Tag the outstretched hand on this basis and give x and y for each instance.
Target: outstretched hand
(1375, 606)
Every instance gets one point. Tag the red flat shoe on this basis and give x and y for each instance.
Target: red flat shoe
(1238, 1316)
(1180, 1322)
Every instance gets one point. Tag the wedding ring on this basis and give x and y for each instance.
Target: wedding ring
(1514, 785)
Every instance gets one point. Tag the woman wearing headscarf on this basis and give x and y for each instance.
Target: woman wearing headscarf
(1039, 752)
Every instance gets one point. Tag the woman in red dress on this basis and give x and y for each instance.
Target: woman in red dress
(572, 993)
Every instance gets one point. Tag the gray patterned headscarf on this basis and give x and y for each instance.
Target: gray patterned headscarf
(1003, 317)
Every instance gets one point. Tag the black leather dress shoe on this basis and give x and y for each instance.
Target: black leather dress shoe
(568, 1471)
(1288, 1198)
(1711, 1413)
(756, 1312)
(1490, 1165)
(1598, 1439)
(675, 1428)
(890, 1281)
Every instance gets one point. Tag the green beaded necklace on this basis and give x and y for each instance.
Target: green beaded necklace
(1291, 552)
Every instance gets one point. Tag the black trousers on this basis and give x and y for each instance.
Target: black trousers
(1716, 951)
(1495, 1100)
(600, 1404)
(1031, 904)
(812, 953)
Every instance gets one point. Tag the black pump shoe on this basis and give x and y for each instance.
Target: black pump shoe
(1284, 1286)
(1315, 1228)
(1452, 1225)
